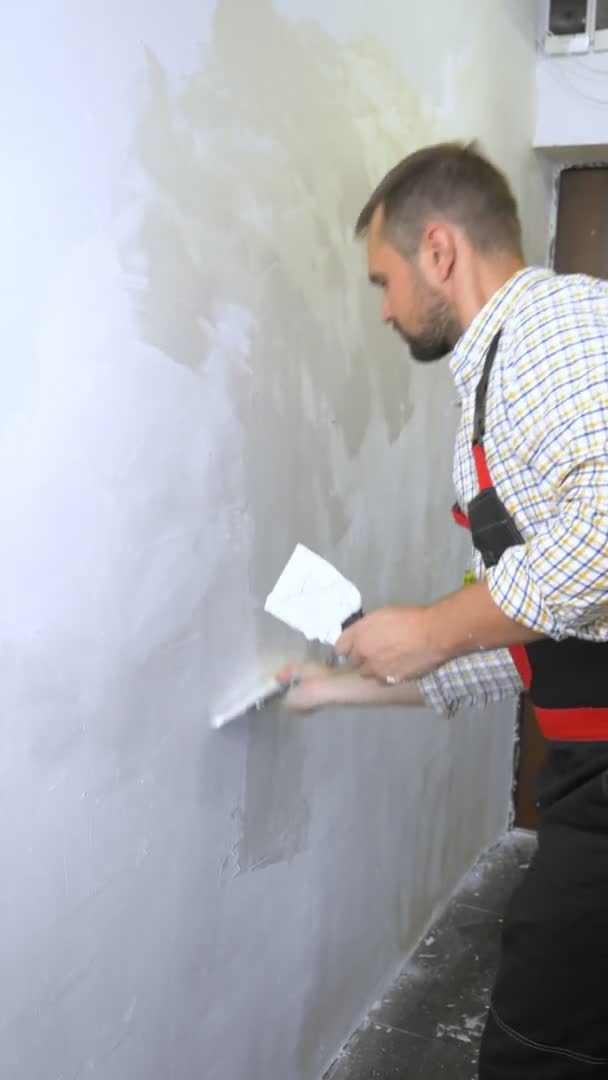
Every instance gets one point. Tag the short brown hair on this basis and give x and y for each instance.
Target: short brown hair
(455, 182)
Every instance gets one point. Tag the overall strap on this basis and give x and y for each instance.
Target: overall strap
(519, 653)
(479, 419)
(481, 393)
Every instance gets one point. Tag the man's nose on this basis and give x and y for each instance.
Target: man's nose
(387, 315)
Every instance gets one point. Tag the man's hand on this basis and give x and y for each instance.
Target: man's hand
(408, 642)
(314, 686)
(394, 643)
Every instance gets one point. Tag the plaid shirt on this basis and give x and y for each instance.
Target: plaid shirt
(546, 445)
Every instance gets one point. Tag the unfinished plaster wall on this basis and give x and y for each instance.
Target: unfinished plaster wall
(194, 378)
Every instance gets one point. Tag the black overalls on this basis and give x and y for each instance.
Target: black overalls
(549, 1013)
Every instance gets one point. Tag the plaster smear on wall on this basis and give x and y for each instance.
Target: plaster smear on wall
(257, 170)
(244, 270)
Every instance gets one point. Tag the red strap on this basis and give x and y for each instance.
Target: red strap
(584, 725)
(519, 656)
(519, 653)
(483, 473)
(460, 517)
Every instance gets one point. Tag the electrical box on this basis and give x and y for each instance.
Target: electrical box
(575, 26)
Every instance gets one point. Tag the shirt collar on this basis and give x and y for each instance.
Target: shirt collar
(471, 348)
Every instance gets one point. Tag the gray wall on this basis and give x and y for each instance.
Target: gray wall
(194, 378)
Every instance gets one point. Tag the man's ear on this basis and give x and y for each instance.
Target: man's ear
(438, 252)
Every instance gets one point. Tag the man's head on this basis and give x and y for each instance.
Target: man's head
(434, 225)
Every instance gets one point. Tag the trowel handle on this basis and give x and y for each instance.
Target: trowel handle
(340, 661)
(353, 619)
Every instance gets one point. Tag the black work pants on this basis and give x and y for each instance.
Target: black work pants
(549, 1013)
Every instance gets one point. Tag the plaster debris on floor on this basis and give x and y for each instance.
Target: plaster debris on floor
(430, 1021)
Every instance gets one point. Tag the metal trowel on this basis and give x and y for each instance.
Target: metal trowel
(310, 596)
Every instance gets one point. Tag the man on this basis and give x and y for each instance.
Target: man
(530, 361)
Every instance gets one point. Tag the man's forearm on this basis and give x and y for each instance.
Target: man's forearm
(469, 620)
(350, 688)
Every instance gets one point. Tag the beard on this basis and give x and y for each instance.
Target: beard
(440, 330)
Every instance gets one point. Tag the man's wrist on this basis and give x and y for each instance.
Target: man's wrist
(439, 645)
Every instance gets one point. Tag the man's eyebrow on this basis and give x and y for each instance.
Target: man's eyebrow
(377, 279)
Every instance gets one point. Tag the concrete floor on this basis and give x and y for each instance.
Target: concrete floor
(429, 1023)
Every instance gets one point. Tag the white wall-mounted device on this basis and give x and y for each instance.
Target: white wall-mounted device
(575, 26)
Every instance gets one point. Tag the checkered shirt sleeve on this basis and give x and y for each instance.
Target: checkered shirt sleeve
(475, 680)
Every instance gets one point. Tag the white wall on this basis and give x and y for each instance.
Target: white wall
(194, 378)
(572, 101)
